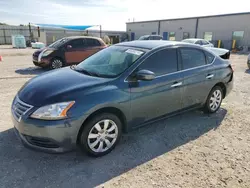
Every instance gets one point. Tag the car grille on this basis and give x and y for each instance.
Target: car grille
(41, 142)
(19, 108)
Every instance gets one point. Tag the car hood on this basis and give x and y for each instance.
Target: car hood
(57, 86)
(37, 52)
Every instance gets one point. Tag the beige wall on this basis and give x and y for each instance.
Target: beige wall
(141, 29)
(42, 37)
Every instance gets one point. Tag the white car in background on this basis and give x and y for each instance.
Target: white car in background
(201, 42)
(223, 53)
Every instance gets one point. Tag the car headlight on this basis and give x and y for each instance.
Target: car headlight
(47, 52)
(53, 111)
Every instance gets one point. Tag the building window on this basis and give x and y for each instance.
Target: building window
(185, 35)
(208, 36)
(238, 35)
(172, 36)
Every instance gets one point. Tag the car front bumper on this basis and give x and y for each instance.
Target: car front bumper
(48, 136)
(44, 62)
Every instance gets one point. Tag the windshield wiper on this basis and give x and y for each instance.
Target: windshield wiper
(84, 71)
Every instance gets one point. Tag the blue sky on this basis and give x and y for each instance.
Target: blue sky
(111, 14)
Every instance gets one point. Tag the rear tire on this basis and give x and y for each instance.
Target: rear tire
(56, 63)
(101, 134)
(214, 100)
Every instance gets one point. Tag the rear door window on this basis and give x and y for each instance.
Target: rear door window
(192, 58)
(156, 38)
(204, 42)
(198, 42)
(92, 42)
(162, 62)
(209, 57)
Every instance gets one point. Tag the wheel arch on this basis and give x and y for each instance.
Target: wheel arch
(112, 110)
(223, 87)
(57, 57)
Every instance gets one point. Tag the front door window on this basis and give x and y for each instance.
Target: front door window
(151, 99)
(162, 62)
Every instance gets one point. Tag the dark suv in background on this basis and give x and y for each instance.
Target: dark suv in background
(67, 51)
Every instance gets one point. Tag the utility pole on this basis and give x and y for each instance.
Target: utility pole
(100, 31)
(30, 31)
(38, 31)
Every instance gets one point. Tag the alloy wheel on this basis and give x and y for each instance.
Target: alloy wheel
(56, 64)
(215, 100)
(102, 136)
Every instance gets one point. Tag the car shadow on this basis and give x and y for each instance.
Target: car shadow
(30, 71)
(23, 167)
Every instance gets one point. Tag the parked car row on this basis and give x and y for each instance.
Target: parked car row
(114, 90)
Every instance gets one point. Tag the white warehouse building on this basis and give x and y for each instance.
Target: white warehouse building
(233, 30)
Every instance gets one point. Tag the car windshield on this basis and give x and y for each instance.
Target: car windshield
(143, 38)
(110, 62)
(58, 43)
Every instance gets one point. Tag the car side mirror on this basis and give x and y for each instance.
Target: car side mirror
(69, 47)
(145, 75)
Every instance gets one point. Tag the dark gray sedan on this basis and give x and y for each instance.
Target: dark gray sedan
(116, 90)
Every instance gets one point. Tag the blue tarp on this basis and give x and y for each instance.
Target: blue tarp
(72, 27)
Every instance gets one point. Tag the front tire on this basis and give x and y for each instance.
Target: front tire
(56, 63)
(214, 100)
(101, 134)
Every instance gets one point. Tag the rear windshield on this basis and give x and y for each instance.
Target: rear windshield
(144, 38)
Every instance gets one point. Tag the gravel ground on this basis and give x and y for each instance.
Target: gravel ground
(8, 50)
(189, 150)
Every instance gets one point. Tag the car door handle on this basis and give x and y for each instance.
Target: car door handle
(176, 84)
(209, 76)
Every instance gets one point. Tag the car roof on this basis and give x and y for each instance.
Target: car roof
(84, 37)
(151, 35)
(193, 39)
(151, 44)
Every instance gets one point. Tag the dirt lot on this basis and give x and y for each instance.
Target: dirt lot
(190, 150)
